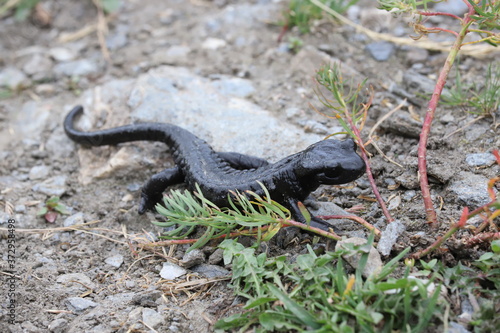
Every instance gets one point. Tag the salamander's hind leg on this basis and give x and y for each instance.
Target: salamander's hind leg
(242, 161)
(153, 189)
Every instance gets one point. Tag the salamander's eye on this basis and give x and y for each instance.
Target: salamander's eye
(332, 172)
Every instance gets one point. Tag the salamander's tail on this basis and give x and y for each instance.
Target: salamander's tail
(112, 136)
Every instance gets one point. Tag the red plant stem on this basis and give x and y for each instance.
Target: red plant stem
(429, 116)
(481, 238)
(369, 173)
(437, 29)
(439, 14)
(354, 218)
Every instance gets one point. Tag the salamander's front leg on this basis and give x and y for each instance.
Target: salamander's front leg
(242, 161)
(152, 191)
(315, 221)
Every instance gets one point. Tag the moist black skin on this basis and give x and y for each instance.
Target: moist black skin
(290, 180)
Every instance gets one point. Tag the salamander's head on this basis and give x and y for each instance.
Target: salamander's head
(330, 162)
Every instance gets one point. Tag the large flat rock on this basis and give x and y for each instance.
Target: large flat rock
(217, 110)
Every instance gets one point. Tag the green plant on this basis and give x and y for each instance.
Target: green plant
(249, 214)
(484, 98)
(295, 44)
(301, 13)
(318, 294)
(481, 18)
(22, 8)
(52, 209)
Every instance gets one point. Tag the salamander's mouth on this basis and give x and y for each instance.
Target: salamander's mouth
(331, 176)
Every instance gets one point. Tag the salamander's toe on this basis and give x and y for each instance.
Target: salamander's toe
(148, 202)
(322, 224)
(142, 206)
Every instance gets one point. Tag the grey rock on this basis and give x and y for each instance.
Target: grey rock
(20, 208)
(380, 51)
(308, 60)
(408, 195)
(216, 257)
(115, 261)
(76, 279)
(118, 38)
(447, 118)
(79, 304)
(233, 86)
(77, 218)
(390, 236)
(456, 7)
(417, 83)
(38, 64)
(39, 172)
(61, 54)
(174, 55)
(192, 258)
(152, 318)
(394, 203)
(82, 67)
(374, 263)
(54, 186)
(416, 55)
(470, 188)
(455, 327)
(193, 103)
(404, 124)
(474, 132)
(135, 315)
(58, 144)
(213, 43)
(211, 271)
(121, 298)
(147, 298)
(480, 159)
(58, 325)
(171, 271)
(38, 115)
(13, 78)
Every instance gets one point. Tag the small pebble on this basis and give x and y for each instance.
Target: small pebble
(152, 318)
(54, 186)
(39, 172)
(61, 54)
(380, 51)
(374, 263)
(192, 258)
(115, 261)
(211, 271)
(390, 236)
(171, 271)
(480, 159)
(13, 78)
(77, 218)
(213, 43)
(79, 304)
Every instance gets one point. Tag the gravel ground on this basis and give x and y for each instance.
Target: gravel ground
(216, 68)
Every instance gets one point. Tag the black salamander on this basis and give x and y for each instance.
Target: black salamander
(288, 181)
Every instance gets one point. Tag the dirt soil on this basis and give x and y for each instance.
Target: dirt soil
(98, 280)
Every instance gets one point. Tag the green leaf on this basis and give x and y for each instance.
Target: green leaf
(304, 212)
(42, 211)
(495, 246)
(302, 314)
(111, 6)
(259, 301)
(24, 8)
